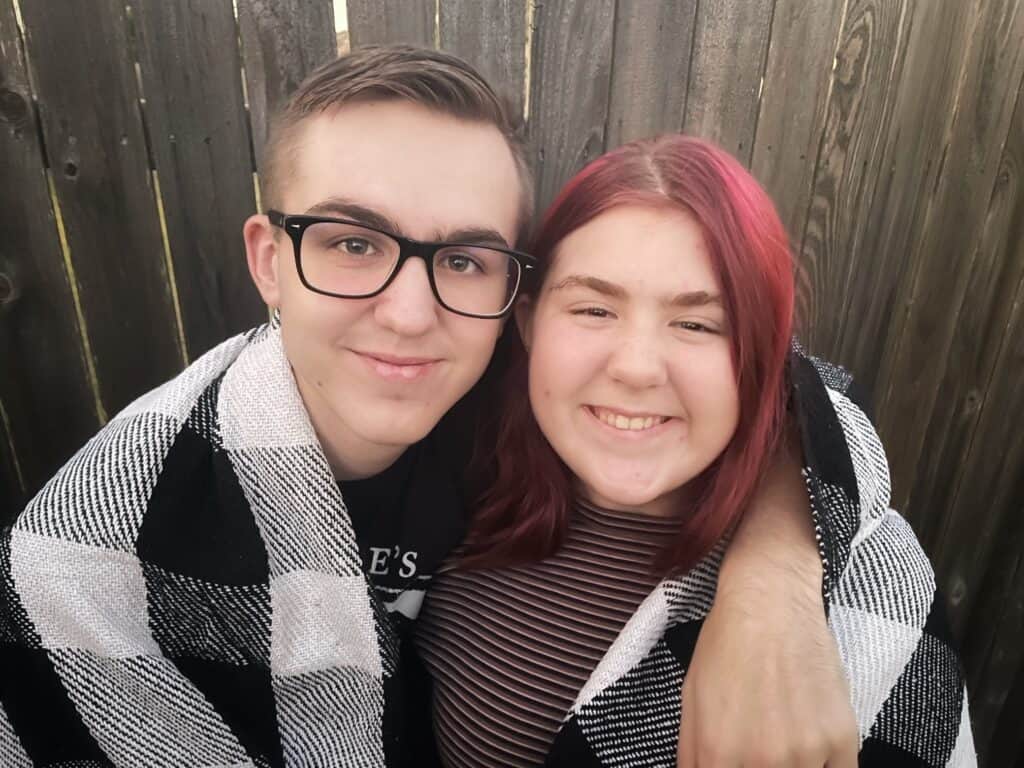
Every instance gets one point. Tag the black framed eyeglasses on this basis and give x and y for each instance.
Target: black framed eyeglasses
(349, 260)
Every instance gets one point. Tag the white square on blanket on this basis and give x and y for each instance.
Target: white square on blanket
(321, 621)
(82, 597)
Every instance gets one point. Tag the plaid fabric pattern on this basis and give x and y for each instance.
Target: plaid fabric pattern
(187, 591)
(906, 686)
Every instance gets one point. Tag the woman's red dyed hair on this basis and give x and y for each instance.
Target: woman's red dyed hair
(524, 513)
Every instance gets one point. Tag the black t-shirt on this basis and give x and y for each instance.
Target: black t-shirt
(409, 518)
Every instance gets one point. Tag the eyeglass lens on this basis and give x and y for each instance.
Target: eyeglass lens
(353, 261)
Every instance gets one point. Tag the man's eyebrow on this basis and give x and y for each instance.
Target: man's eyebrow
(340, 208)
(593, 283)
(474, 235)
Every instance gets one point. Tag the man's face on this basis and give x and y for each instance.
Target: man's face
(377, 374)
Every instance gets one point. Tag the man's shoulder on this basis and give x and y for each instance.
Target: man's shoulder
(99, 496)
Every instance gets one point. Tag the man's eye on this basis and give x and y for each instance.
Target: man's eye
(357, 246)
(460, 262)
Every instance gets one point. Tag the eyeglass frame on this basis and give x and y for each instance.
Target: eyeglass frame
(295, 225)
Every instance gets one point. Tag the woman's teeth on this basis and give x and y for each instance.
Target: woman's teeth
(632, 423)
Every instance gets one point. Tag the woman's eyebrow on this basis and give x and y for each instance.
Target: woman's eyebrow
(593, 283)
(694, 299)
(615, 291)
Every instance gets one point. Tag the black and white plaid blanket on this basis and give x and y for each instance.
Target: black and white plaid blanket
(187, 591)
(172, 598)
(907, 691)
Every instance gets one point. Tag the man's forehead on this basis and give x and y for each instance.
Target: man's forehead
(379, 218)
(426, 175)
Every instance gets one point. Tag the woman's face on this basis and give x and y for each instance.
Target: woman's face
(631, 375)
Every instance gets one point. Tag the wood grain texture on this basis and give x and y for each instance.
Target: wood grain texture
(652, 53)
(930, 373)
(794, 96)
(45, 395)
(993, 653)
(491, 37)
(977, 493)
(199, 137)
(729, 45)
(97, 149)
(392, 21)
(882, 144)
(282, 42)
(569, 82)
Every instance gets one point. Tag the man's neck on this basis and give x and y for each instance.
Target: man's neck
(350, 456)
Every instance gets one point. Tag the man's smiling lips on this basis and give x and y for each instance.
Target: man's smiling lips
(395, 368)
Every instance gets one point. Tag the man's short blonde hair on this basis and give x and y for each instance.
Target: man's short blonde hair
(430, 78)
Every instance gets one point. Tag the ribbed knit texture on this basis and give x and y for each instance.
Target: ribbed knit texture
(510, 649)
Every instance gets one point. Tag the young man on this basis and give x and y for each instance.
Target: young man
(226, 573)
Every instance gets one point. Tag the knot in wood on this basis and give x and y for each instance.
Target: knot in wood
(8, 290)
(13, 108)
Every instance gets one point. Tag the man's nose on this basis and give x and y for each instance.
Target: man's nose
(408, 306)
(638, 362)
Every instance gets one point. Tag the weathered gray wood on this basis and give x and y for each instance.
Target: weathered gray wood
(652, 54)
(993, 652)
(12, 485)
(569, 81)
(96, 146)
(729, 45)
(392, 21)
(927, 386)
(793, 99)
(45, 395)
(491, 37)
(282, 42)
(199, 136)
(881, 145)
(982, 457)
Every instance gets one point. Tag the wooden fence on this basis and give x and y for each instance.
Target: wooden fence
(890, 133)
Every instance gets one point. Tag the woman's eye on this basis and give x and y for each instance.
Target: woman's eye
(693, 325)
(592, 312)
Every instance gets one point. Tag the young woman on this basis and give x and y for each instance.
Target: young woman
(649, 396)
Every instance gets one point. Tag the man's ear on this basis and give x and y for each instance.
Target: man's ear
(261, 255)
(524, 320)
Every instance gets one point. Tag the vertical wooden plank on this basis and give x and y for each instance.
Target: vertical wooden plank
(918, 361)
(12, 485)
(94, 136)
(985, 451)
(1006, 747)
(793, 100)
(198, 129)
(883, 140)
(983, 330)
(47, 405)
(569, 81)
(652, 69)
(729, 45)
(993, 649)
(282, 42)
(392, 21)
(492, 37)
